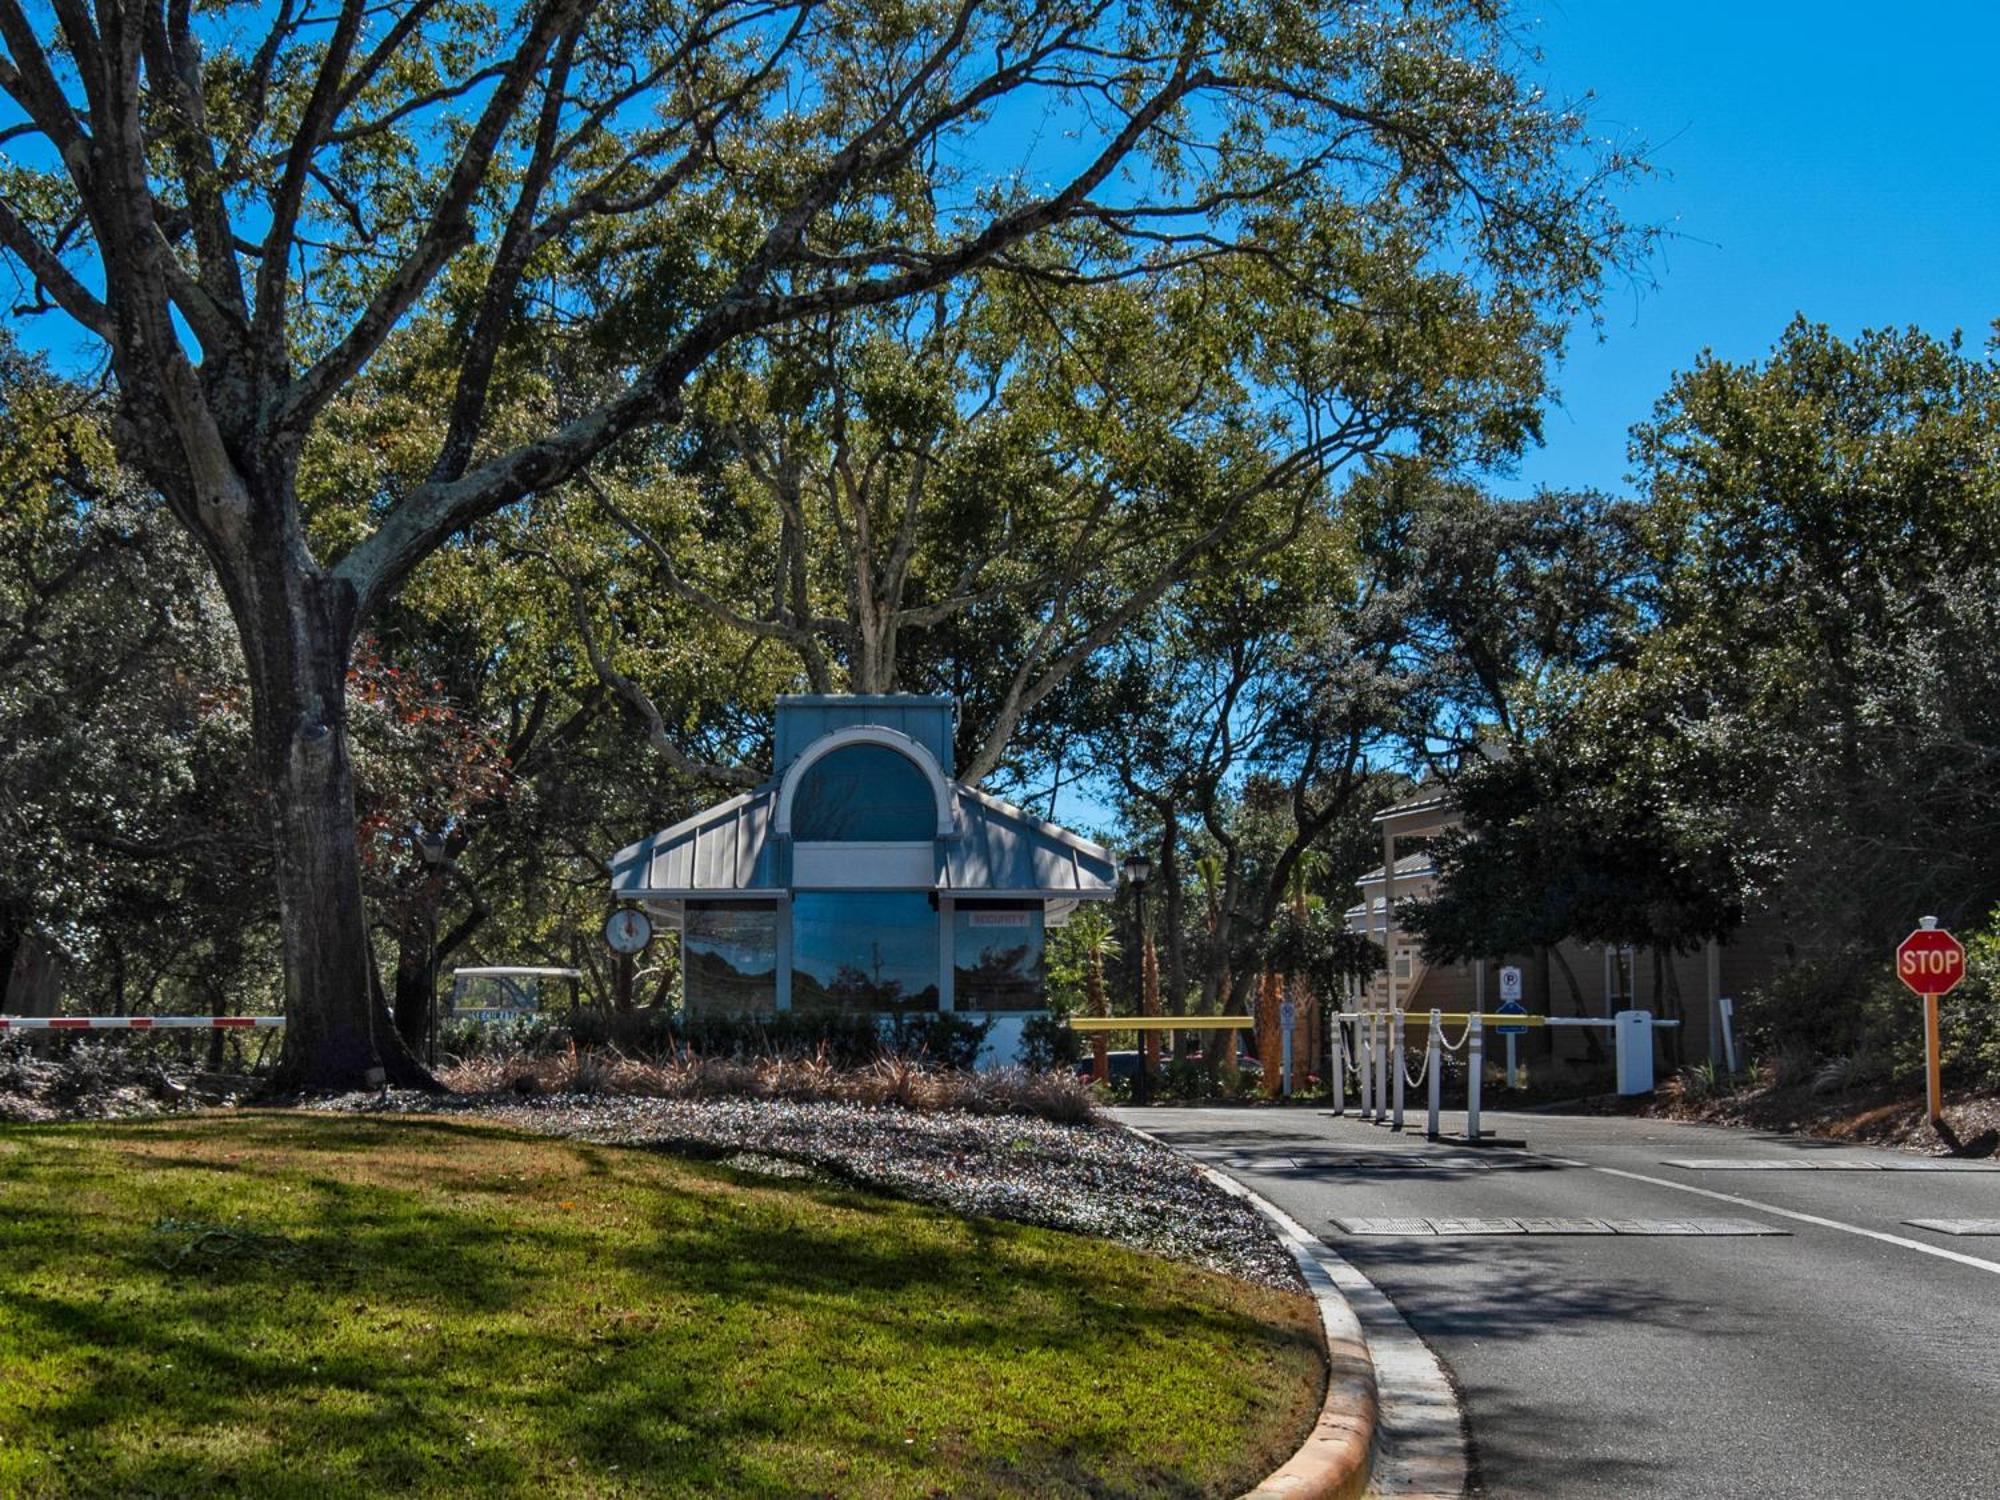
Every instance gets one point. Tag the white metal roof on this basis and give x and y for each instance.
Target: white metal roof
(997, 849)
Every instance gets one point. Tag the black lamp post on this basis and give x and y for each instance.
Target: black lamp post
(1138, 870)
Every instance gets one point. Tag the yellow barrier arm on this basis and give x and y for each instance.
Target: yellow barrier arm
(1160, 1023)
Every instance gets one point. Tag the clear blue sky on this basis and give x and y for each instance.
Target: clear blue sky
(1837, 159)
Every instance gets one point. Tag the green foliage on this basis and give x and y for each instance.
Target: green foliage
(1046, 1042)
(943, 1038)
(1826, 531)
(1317, 947)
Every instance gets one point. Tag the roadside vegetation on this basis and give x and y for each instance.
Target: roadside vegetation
(268, 1305)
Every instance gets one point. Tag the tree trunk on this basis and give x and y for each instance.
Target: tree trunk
(1149, 986)
(338, 1033)
(1176, 917)
(1100, 1005)
(34, 978)
(1270, 1045)
(1593, 1045)
(414, 992)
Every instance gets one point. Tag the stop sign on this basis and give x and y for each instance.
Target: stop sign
(1930, 961)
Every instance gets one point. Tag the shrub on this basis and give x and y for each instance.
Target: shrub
(946, 1038)
(1047, 1042)
(846, 1038)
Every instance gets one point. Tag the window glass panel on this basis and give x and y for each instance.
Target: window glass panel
(868, 793)
(864, 951)
(996, 958)
(729, 958)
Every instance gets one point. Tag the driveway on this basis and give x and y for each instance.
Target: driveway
(1637, 1308)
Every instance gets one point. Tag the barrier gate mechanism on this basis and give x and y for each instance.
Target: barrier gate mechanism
(1379, 1061)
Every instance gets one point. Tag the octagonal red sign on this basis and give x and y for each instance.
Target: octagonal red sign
(1930, 961)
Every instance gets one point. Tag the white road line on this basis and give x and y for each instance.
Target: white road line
(1785, 1213)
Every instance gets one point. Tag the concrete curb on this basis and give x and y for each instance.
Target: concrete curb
(1337, 1459)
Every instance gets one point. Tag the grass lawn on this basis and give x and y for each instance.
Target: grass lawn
(281, 1304)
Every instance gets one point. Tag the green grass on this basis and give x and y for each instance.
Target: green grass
(275, 1304)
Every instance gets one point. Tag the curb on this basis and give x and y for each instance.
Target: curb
(1337, 1459)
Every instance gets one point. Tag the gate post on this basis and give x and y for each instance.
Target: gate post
(1434, 1073)
(1396, 1065)
(1381, 1073)
(1475, 1054)
(1336, 1046)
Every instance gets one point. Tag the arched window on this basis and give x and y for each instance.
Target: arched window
(866, 794)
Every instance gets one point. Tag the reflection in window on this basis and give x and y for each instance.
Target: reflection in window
(996, 957)
(729, 958)
(864, 951)
(864, 793)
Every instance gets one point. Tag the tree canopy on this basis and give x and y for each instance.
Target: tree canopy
(546, 221)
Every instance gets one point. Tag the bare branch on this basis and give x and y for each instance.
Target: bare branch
(642, 701)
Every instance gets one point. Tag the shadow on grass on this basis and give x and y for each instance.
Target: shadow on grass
(705, 1330)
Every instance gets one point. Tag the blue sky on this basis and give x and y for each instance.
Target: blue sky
(1836, 159)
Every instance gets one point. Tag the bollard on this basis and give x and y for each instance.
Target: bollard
(1337, 1045)
(1381, 1071)
(1361, 1065)
(1475, 1057)
(1435, 1073)
(1396, 1066)
(1366, 1031)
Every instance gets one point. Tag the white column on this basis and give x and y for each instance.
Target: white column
(784, 954)
(1389, 914)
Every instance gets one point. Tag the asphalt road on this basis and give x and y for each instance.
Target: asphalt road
(1820, 1362)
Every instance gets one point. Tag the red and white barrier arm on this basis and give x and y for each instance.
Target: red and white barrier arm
(137, 1023)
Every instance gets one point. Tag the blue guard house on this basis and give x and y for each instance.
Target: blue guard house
(863, 878)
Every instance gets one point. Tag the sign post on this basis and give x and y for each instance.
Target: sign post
(1288, 1016)
(1931, 962)
(1510, 1003)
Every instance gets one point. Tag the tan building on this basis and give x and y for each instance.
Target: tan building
(1570, 979)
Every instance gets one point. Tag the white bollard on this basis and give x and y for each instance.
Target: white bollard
(1475, 1059)
(1381, 1071)
(1336, 1046)
(1434, 1072)
(1365, 1033)
(1396, 1067)
(1365, 1085)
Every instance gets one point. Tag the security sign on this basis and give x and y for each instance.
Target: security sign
(1930, 961)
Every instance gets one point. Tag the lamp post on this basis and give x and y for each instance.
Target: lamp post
(1138, 870)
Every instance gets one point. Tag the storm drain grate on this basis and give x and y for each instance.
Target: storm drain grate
(1470, 1228)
